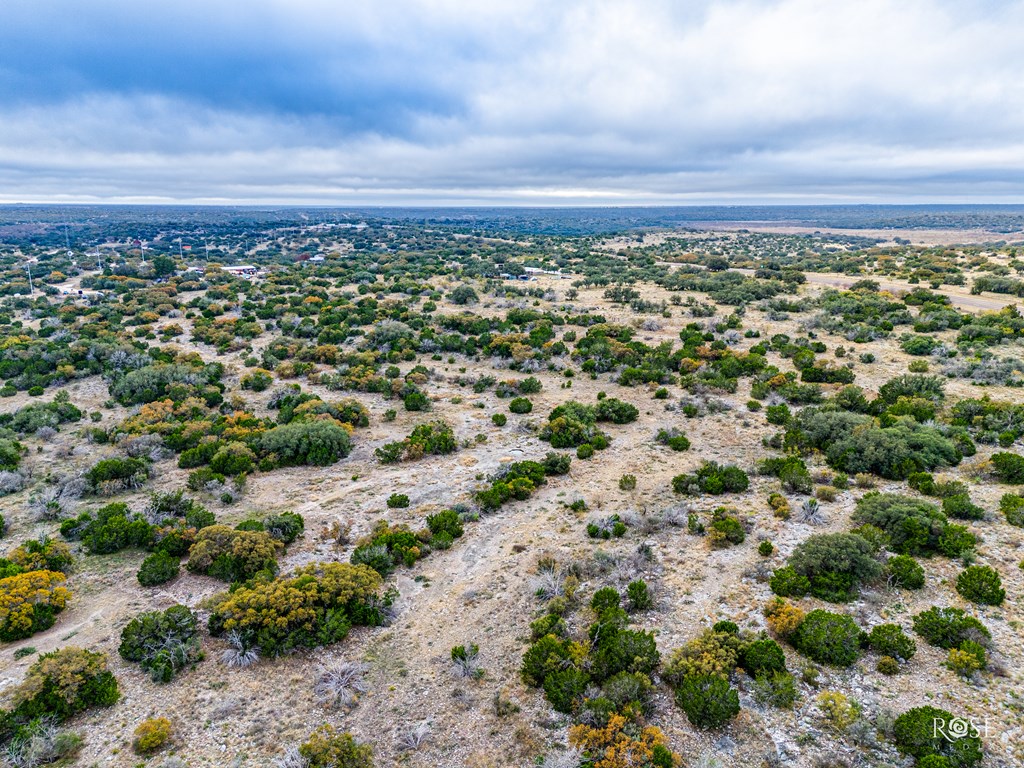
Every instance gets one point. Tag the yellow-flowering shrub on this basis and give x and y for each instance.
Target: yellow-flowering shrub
(710, 653)
(838, 711)
(29, 603)
(151, 735)
(621, 744)
(317, 605)
(42, 555)
(225, 553)
(63, 683)
(783, 617)
(329, 748)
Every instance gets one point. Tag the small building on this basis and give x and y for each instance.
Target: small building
(241, 270)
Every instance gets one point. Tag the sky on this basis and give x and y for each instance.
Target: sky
(496, 102)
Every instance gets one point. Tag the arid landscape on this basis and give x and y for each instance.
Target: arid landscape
(482, 496)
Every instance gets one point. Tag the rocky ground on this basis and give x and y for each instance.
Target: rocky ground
(481, 590)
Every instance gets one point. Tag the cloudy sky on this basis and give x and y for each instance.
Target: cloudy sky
(496, 101)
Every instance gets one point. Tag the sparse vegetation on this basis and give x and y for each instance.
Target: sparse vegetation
(387, 377)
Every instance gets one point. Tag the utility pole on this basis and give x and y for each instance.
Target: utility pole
(180, 254)
(207, 243)
(30, 288)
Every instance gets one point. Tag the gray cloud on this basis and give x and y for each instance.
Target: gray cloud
(453, 102)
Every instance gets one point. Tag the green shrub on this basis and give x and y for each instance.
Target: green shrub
(627, 691)
(913, 526)
(674, 439)
(1012, 506)
(627, 482)
(725, 528)
(433, 438)
(961, 507)
(955, 540)
(463, 294)
(555, 464)
(775, 689)
(786, 582)
(158, 568)
(924, 732)
(922, 482)
(616, 411)
(233, 459)
(891, 640)
(835, 564)
(828, 638)
(1008, 468)
(257, 380)
(707, 700)
(551, 624)
(585, 451)
(605, 599)
(386, 548)
(618, 650)
(416, 401)
(571, 425)
(548, 654)
(398, 501)
(639, 596)
(155, 382)
(117, 474)
(499, 419)
(778, 415)
(905, 572)
(520, 405)
(199, 517)
(761, 657)
(286, 527)
(445, 525)
(319, 443)
(31, 418)
(162, 642)
(565, 688)
(712, 478)
(981, 584)
(949, 627)
(853, 443)
(113, 528)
